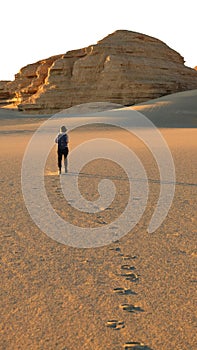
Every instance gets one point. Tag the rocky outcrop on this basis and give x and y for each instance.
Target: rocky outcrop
(124, 68)
(29, 79)
(5, 95)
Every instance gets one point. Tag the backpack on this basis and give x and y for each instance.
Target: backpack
(62, 142)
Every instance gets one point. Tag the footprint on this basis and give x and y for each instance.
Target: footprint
(129, 257)
(133, 277)
(116, 249)
(131, 308)
(101, 222)
(127, 267)
(115, 324)
(124, 291)
(135, 346)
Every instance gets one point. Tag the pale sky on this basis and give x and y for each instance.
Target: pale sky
(34, 30)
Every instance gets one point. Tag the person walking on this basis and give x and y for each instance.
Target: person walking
(62, 149)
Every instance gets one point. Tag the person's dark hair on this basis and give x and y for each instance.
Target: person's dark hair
(63, 129)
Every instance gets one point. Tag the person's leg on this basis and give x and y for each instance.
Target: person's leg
(59, 161)
(66, 160)
(66, 164)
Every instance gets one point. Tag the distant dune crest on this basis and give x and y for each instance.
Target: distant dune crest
(123, 68)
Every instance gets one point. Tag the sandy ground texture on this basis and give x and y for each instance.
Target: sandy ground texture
(137, 292)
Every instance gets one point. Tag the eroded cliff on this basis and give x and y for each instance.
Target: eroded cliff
(125, 68)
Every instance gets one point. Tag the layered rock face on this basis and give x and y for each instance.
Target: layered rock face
(29, 80)
(5, 95)
(124, 68)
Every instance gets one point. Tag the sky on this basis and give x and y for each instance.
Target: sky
(34, 30)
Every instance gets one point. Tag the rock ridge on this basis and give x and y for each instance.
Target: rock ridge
(123, 68)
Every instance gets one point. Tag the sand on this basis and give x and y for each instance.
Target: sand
(139, 289)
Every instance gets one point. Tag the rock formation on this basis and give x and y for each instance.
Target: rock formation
(5, 95)
(124, 68)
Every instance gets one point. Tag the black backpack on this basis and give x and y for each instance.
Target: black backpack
(62, 142)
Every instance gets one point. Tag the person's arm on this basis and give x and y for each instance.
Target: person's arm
(56, 140)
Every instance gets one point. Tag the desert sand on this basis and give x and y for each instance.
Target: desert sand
(135, 293)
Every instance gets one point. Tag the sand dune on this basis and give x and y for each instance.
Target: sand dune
(135, 293)
(176, 110)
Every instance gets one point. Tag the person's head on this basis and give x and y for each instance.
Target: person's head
(63, 129)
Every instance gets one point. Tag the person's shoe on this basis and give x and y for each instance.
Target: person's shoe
(59, 172)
